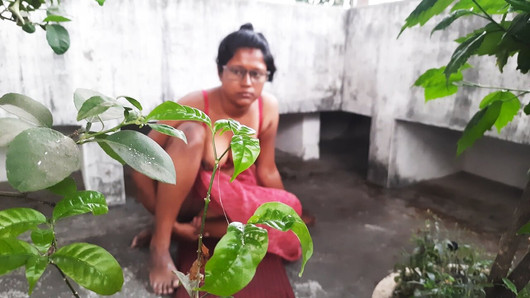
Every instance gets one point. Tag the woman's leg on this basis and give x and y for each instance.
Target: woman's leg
(165, 201)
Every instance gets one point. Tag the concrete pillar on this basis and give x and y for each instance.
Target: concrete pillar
(103, 174)
(299, 135)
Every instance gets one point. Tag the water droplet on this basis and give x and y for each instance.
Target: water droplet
(40, 161)
(46, 153)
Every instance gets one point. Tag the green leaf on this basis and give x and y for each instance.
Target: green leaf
(26, 108)
(463, 52)
(510, 285)
(510, 106)
(435, 83)
(58, 38)
(282, 217)
(100, 2)
(527, 109)
(424, 11)
(169, 130)
(35, 267)
(450, 19)
(523, 60)
(79, 203)
(114, 112)
(14, 253)
(133, 101)
(491, 42)
(235, 259)
(520, 5)
(90, 266)
(42, 239)
(94, 106)
(10, 128)
(142, 154)
(111, 152)
(65, 187)
(482, 121)
(237, 128)
(28, 27)
(184, 280)
(39, 158)
(490, 6)
(245, 151)
(170, 110)
(524, 229)
(56, 18)
(16, 221)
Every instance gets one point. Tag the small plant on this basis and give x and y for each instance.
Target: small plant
(40, 157)
(438, 267)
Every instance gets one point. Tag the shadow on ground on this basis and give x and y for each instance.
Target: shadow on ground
(360, 232)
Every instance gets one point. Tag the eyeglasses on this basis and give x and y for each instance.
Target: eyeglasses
(235, 73)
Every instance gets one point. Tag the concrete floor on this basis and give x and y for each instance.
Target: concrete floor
(361, 229)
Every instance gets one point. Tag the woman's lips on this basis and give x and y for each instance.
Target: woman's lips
(246, 95)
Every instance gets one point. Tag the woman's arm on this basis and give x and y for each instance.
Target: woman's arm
(266, 170)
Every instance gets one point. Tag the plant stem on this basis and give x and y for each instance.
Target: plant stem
(488, 16)
(74, 292)
(471, 84)
(10, 194)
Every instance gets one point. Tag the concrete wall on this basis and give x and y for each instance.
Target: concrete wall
(329, 59)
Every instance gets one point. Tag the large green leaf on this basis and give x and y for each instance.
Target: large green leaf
(523, 60)
(10, 128)
(111, 152)
(245, 151)
(169, 130)
(14, 253)
(235, 259)
(524, 229)
(425, 11)
(435, 83)
(115, 111)
(27, 109)
(58, 38)
(142, 154)
(522, 5)
(65, 187)
(40, 157)
(482, 121)
(463, 52)
(510, 106)
(490, 6)
(170, 110)
(90, 266)
(448, 20)
(234, 126)
(35, 267)
(79, 203)
(16, 221)
(282, 217)
(94, 106)
(42, 239)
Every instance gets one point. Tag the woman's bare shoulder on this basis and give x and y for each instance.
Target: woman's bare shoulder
(193, 99)
(270, 102)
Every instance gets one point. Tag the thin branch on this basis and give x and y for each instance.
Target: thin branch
(488, 16)
(471, 84)
(9, 194)
(67, 281)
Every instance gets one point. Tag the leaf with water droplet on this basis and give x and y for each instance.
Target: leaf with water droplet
(26, 108)
(10, 128)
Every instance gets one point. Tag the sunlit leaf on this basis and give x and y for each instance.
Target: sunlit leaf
(245, 151)
(435, 83)
(448, 20)
(133, 101)
(282, 217)
(115, 111)
(58, 38)
(14, 253)
(482, 121)
(90, 266)
(490, 6)
(10, 128)
(35, 267)
(94, 106)
(101, 2)
(42, 239)
(510, 106)
(463, 52)
(510, 285)
(170, 110)
(235, 259)
(142, 154)
(234, 126)
(79, 203)
(425, 11)
(56, 18)
(524, 229)
(169, 130)
(27, 109)
(16, 221)
(39, 158)
(65, 187)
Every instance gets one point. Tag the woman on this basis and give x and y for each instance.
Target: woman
(244, 64)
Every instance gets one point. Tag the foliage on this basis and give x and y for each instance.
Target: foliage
(438, 267)
(25, 12)
(328, 2)
(39, 157)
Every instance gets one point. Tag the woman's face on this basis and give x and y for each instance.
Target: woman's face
(244, 76)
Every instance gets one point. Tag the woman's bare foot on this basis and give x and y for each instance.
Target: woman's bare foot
(161, 276)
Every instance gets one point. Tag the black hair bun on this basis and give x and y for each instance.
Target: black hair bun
(247, 26)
